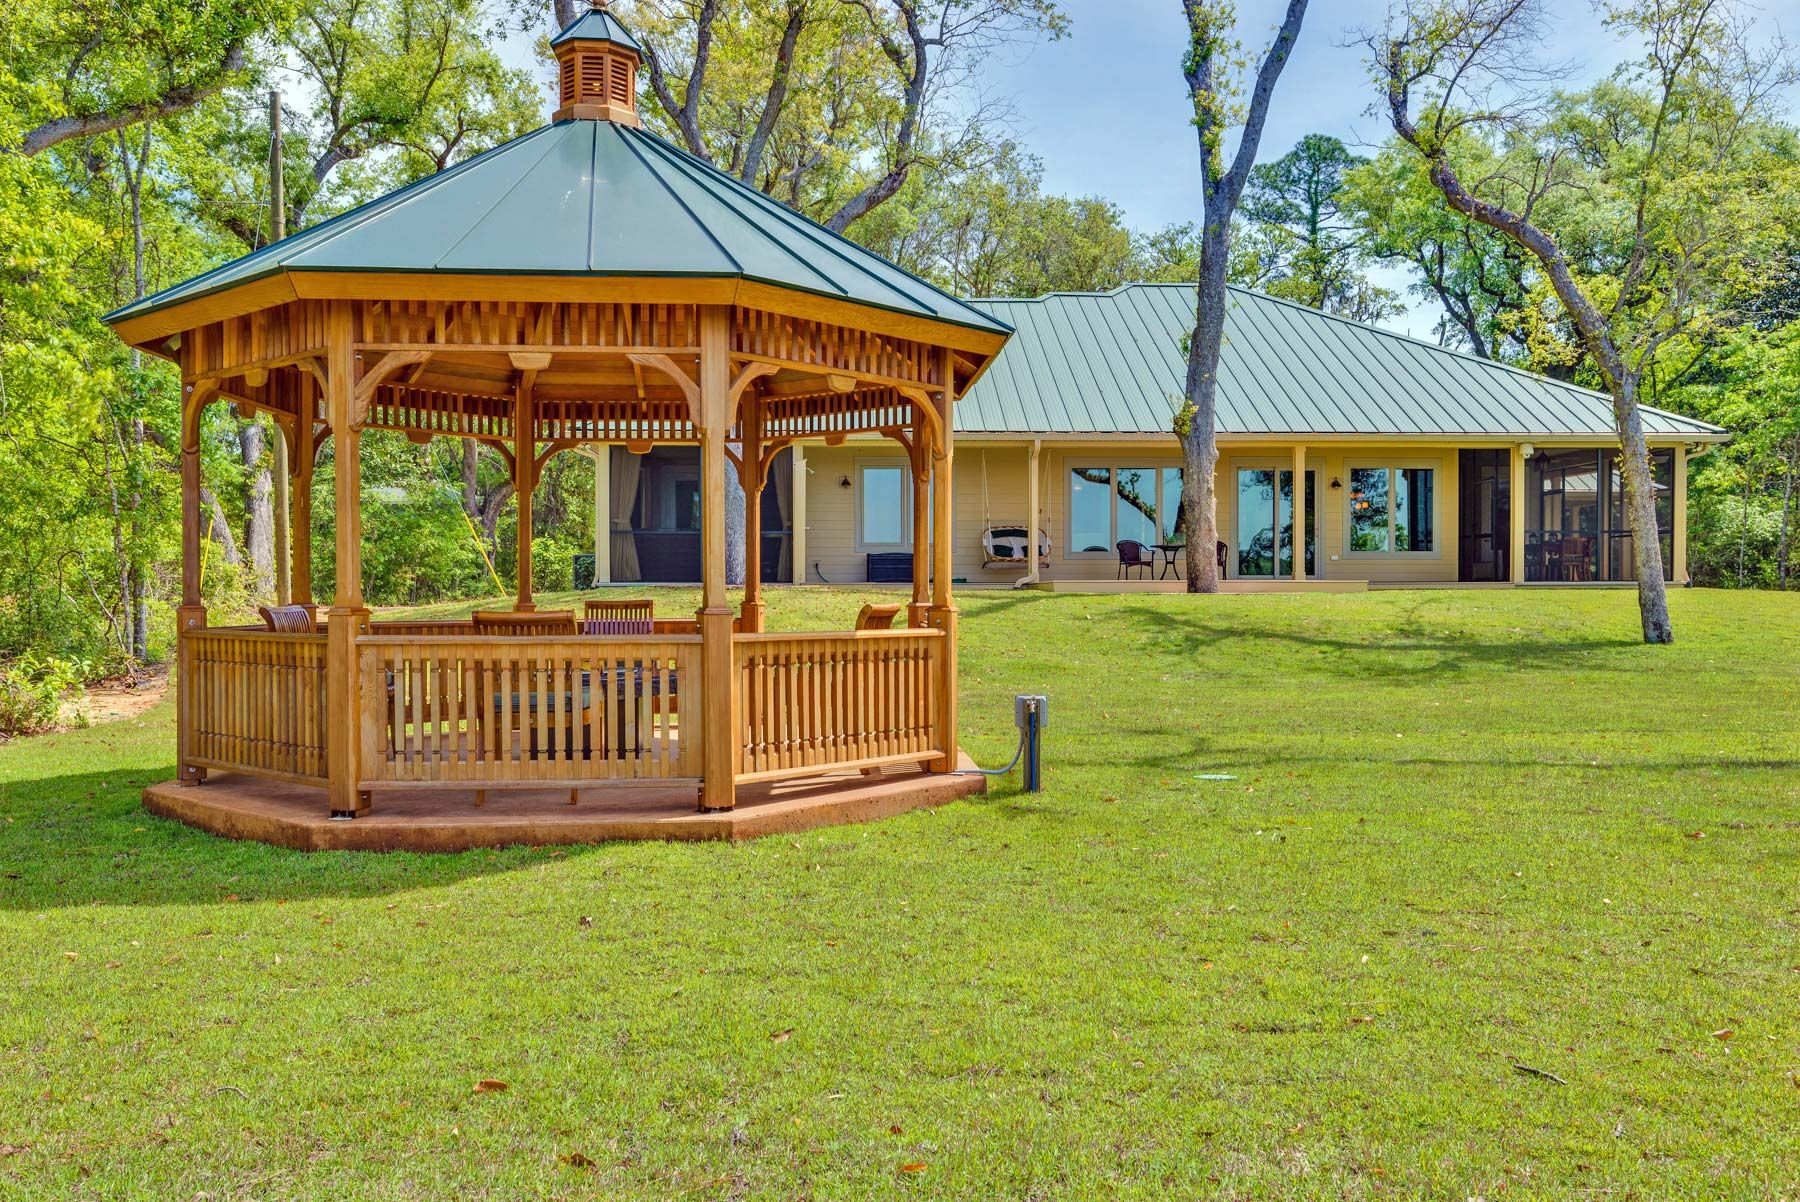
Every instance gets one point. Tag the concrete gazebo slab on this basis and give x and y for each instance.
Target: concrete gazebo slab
(238, 806)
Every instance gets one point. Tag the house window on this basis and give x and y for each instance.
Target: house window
(1122, 501)
(881, 508)
(1392, 510)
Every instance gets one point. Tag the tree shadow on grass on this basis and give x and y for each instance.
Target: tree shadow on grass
(84, 839)
(1405, 649)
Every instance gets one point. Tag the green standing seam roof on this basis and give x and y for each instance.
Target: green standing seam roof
(589, 198)
(1112, 363)
(597, 25)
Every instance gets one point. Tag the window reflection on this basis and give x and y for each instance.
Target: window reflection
(1090, 509)
(1368, 509)
(1174, 504)
(883, 501)
(1136, 515)
(1256, 521)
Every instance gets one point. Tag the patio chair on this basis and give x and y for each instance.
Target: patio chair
(877, 617)
(1135, 555)
(552, 623)
(636, 616)
(288, 619)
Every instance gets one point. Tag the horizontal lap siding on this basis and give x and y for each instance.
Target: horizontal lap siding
(831, 548)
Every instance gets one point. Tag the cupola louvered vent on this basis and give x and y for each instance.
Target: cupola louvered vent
(597, 61)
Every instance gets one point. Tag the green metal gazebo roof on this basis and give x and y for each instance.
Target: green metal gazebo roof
(1113, 363)
(588, 198)
(598, 25)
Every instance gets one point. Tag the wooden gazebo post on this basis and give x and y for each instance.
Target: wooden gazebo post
(191, 616)
(752, 478)
(943, 608)
(718, 721)
(919, 612)
(349, 617)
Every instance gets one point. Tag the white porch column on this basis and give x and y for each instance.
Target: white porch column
(1301, 501)
(1516, 517)
(1678, 570)
(797, 516)
(1032, 505)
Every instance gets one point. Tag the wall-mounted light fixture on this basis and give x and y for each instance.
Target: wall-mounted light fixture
(844, 483)
(1336, 483)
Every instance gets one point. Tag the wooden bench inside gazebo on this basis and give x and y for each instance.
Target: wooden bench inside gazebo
(586, 283)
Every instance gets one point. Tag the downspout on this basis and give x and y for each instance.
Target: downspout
(1031, 517)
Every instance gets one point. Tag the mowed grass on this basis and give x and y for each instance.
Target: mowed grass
(1472, 833)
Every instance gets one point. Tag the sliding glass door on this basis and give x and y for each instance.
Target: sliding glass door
(1265, 523)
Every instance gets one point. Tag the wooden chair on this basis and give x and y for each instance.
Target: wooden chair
(1578, 558)
(1133, 554)
(552, 623)
(288, 619)
(637, 616)
(878, 617)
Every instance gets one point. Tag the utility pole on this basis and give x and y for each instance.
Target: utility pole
(284, 584)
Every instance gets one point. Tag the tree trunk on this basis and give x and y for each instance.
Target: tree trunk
(1200, 445)
(218, 529)
(471, 478)
(1640, 505)
(259, 508)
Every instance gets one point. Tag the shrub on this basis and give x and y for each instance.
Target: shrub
(32, 690)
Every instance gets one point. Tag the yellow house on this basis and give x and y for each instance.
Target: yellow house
(1411, 464)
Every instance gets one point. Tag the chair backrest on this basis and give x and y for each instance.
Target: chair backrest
(641, 609)
(635, 616)
(1132, 551)
(877, 617)
(554, 623)
(288, 619)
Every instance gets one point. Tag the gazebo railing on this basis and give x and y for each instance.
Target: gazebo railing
(481, 711)
(254, 701)
(810, 703)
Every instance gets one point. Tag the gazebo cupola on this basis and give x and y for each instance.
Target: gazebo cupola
(597, 64)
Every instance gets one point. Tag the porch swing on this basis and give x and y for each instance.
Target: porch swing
(1003, 545)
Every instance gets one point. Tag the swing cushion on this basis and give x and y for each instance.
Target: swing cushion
(1011, 544)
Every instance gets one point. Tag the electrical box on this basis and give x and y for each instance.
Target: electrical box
(1024, 704)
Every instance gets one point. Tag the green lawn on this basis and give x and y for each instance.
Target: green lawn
(1470, 832)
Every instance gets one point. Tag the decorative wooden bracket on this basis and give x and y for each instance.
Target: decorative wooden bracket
(934, 421)
(378, 375)
(842, 384)
(506, 454)
(316, 366)
(900, 436)
(689, 386)
(543, 456)
(749, 375)
(770, 451)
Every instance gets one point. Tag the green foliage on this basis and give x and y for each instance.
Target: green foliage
(1296, 239)
(32, 690)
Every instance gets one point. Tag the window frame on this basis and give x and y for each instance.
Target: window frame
(1393, 467)
(883, 463)
(1071, 462)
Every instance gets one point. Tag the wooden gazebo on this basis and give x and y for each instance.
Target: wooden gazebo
(587, 283)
